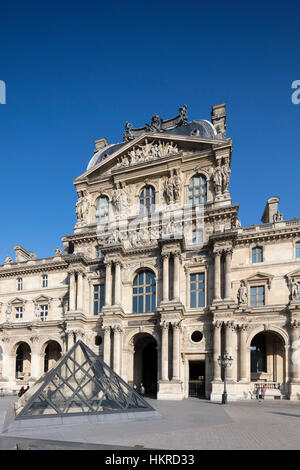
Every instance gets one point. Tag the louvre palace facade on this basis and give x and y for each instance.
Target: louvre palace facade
(159, 277)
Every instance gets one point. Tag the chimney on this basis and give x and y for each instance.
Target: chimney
(100, 144)
(21, 254)
(218, 119)
(271, 213)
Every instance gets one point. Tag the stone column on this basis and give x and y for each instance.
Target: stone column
(242, 358)
(176, 276)
(176, 350)
(165, 277)
(71, 340)
(295, 351)
(217, 350)
(108, 284)
(228, 274)
(165, 350)
(106, 345)
(217, 278)
(80, 290)
(37, 359)
(117, 348)
(117, 282)
(9, 360)
(230, 343)
(72, 293)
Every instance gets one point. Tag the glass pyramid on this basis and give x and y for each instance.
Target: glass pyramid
(81, 383)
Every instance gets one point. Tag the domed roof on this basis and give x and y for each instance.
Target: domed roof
(178, 125)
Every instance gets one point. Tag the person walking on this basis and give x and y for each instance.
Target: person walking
(263, 392)
(257, 393)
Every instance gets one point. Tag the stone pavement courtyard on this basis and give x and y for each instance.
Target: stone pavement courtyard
(188, 424)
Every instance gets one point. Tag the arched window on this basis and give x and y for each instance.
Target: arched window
(257, 254)
(102, 209)
(144, 292)
(147, 200)
(198, 190)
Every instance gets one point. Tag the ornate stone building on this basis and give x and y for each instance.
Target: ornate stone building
(159, 277)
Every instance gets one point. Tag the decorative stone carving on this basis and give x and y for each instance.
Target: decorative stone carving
(58, 252)
(157, 125)
(242, 294)
(8, 260)
(278, 216)
(221, 178)
(226, 171)
(147, 152)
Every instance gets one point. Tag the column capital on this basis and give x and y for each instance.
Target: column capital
(164, 324)
(243, 326)
(165, 255)
(117, 328)
(230, 325)
(217, 324)
(177, 324)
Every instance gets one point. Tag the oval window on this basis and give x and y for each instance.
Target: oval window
(197, 336)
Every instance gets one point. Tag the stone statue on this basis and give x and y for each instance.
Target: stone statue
(218, 178)
(294, 289)
(82, 206)
(8, 260)
(176, 186)
(128, 134)
(277, 217)
(156, 123)
(8, 313)
(58, 252)
(242, 295)
(168, 190)
(183, 113)
(226, 171)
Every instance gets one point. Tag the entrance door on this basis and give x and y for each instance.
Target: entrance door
(197, 379)
(145, 363)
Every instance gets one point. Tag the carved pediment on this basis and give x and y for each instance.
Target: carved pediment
(260, 277)
(17, 301)
(293, 275)
(42, 299)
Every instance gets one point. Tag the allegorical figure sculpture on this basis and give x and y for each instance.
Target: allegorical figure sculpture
(82, 206)
(217, 178)
(294, 289)
(242, 295)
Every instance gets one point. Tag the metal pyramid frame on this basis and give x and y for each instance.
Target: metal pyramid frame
(81, 383)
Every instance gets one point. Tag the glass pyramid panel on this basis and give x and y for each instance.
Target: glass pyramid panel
(81, 382)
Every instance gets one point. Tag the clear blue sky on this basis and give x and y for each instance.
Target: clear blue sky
(77, 71)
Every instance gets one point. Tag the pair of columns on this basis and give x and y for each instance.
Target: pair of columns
(230, 347)
(166, 275)
(76, 290)
(217, 273)
(117, 337)
(165, 351)
(108, 283)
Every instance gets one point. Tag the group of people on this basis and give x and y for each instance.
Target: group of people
(260, 392)
(22, 391)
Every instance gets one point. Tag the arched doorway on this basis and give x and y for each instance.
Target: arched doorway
(267, 359)
(23, 361)
(52, 354)
(145, 363)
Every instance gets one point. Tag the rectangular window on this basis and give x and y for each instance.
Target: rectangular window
(19, 313)
(45, 280)
(197, 290)
(99, 298)
(44, 312)
(257, 296)
(298, 250)
(20, 284)
(257, 255)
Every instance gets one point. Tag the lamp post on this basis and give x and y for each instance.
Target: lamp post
(225, 361)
